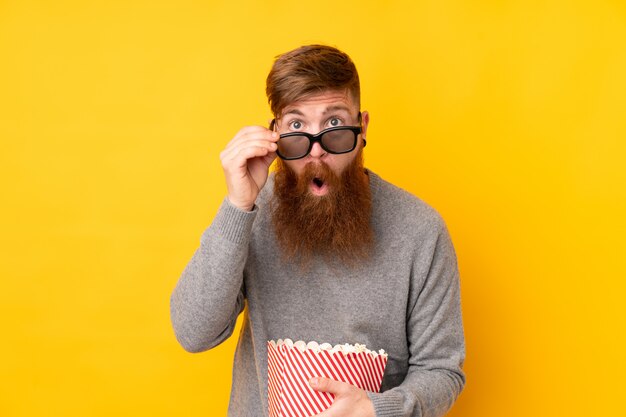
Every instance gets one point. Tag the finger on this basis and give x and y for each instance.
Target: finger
(329, 385)
(269, 158)
(253, 134)
(252, 128)
(232, 152)
(265, 133)
(247, 130)
(255, 141)
(241, 158)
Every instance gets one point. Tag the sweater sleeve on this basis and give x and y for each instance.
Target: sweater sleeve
(436, 342)
(209, 295)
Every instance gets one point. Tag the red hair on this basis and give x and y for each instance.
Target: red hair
(307, 71)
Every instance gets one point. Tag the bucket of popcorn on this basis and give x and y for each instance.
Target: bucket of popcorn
(291, 366)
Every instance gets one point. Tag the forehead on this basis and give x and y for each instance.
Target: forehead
(331, 101)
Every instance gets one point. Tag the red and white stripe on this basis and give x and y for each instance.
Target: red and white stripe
(289, 372)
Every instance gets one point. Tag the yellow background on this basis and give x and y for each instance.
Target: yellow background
(508, 117)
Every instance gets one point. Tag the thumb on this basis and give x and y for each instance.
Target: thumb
(328, 385)
(269, 158)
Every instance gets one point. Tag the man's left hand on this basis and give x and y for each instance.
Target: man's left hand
(349, 400)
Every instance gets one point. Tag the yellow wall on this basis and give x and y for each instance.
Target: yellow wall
(509, 117)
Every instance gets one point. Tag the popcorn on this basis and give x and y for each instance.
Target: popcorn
(291, 366)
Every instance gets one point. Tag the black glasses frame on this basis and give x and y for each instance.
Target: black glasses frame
(318, 138)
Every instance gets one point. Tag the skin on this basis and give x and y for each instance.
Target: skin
(316, 114)
(248, 156)
(349, 400)
(246, 161)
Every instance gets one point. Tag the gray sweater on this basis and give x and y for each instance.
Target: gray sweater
(405, 300)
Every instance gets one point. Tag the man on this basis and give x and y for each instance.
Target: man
(324, 250)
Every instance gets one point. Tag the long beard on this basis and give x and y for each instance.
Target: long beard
(335, 226)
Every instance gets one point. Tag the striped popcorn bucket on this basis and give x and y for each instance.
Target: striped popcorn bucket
(292, 365)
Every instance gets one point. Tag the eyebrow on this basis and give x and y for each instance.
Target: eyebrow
(293, 111)
(328, 109)
(335, 108)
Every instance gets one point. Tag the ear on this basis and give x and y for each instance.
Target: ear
(365, 120)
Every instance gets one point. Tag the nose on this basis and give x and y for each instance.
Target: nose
(317, 151)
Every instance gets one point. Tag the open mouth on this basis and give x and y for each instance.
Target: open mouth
(318, 186)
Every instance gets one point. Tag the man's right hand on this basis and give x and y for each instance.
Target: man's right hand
(246, 161)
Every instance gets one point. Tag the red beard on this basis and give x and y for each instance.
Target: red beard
(335, 226)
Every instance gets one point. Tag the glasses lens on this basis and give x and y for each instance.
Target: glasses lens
(339, 141)
(293, 146)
